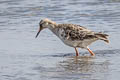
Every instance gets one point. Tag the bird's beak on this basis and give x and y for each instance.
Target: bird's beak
(39, 31)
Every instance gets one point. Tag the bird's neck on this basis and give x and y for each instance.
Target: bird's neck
(54, 28)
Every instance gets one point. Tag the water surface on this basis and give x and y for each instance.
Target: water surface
(22, 57)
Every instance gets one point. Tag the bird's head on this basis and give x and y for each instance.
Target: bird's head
(45, 23)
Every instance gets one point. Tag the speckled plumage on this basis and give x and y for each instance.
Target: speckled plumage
(73, 35)
(75, 32)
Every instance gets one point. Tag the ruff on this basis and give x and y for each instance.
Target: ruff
(73, 35)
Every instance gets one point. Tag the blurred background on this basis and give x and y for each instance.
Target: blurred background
(22, 57)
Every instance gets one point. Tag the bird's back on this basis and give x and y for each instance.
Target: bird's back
(74, 32)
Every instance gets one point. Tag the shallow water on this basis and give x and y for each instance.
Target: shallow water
(22, 57)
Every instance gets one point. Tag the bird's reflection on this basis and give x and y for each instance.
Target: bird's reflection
(84, 67)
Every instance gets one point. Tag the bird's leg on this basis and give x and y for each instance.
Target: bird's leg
(90, 52)
(77, 53)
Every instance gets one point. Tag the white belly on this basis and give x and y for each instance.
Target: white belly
(80, 44)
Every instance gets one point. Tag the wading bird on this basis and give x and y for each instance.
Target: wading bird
(73, 35)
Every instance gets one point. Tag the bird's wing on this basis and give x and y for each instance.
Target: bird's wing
(76, 32)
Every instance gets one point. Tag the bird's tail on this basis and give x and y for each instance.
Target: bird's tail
(102, 36)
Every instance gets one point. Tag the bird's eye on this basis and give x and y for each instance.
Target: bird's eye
(46, 23)
(49, 23)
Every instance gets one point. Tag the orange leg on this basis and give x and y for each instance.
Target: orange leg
(77, 53)
(91, 52)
